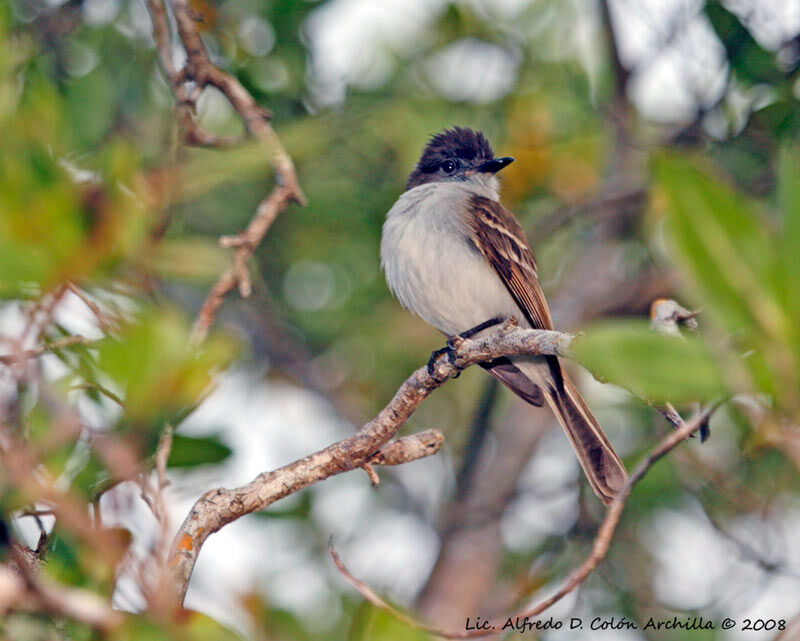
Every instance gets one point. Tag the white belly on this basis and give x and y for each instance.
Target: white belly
(431, 267)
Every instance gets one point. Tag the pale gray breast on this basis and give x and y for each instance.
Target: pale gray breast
(432, 267)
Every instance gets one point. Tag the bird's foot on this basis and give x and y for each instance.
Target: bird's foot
(452, 345)
(451, 356)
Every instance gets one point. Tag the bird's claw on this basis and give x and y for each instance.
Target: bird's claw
(454, 341)
(448, 349)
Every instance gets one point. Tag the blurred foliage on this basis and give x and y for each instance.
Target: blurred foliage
(376, 625)
(190, 451)
(737, 263)
(652, 366)
(96, 191)
(158, 371)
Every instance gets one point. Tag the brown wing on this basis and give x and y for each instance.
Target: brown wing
(499, 237)
(510, 375)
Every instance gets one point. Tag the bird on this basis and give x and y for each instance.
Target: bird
(454, 256)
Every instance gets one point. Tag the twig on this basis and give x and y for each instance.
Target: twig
(600, 546)
(31, 592)
(56, 345)
(187, 84)
(105, 324)
(45, 307)
(162, 456)
(409, 448)
(219, 507)
(372, 475)
(667, 317)
(404, 450)
(97, 490)
(671, 414)
(147, 570)
(103, 390)
(35, 512)
(185, 95)
(154, 496)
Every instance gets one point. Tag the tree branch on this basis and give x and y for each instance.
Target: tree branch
(185, 96)
(219, 507)
(409, 448)
(21, 589)
(58, 344)
(600, 546)
(186, 85)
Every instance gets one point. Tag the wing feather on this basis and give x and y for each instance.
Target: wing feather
(499, 237)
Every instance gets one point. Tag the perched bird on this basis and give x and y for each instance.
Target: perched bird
(459, 259)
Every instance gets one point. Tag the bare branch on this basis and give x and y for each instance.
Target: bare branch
(600, 546)
(410, 448)
(219, 507)
(185, 107)
(372, 475)
(162, 456)
(671, 414)
(21, 589)
(404, 450)
(103, 390)
(56, 345)
(187, 84)
(102, 319)
(154, 496)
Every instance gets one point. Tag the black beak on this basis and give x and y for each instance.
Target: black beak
(494, 165)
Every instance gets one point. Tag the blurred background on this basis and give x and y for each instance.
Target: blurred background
(656, 156)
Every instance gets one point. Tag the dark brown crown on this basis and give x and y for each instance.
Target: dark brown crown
(459, 143)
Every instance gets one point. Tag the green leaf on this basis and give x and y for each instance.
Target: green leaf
(652, 366)
(749, 60)
(63, 560)
(25, 626)
(160, 373)
(373, 624)
(737, 268)
(196, 626)
(189, 626)
(724, 245)
(91, 106)
(789, 204)
(190, 451)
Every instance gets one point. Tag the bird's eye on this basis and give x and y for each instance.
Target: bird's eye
(448, 166)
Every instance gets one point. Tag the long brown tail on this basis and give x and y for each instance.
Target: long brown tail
(535, 379)
(597, 457)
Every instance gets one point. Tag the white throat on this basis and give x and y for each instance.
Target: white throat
(485, 185)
